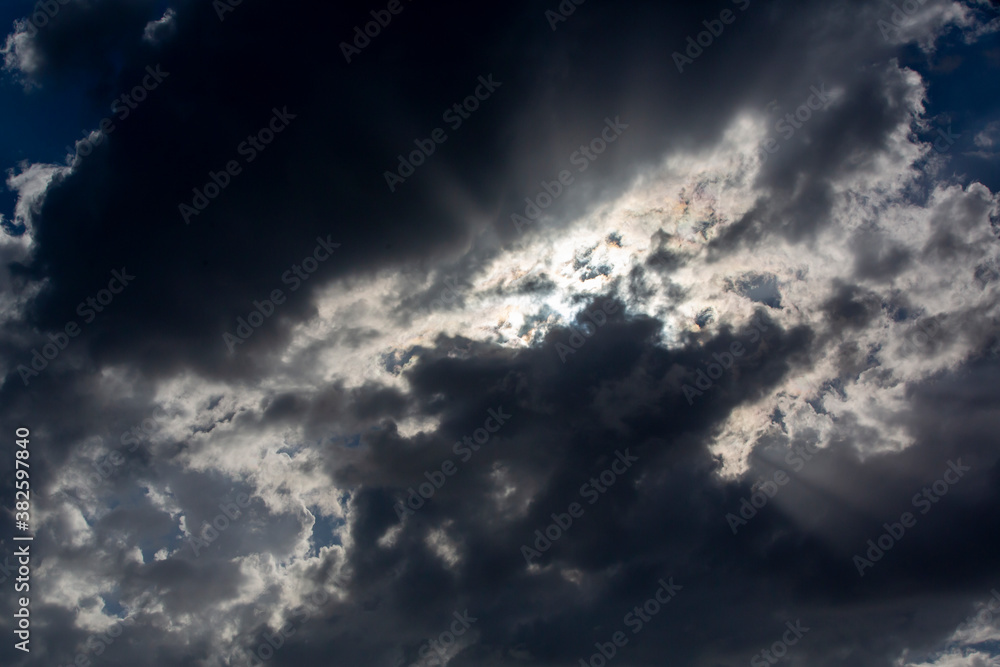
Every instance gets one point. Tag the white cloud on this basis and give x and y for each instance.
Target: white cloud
(958, 658)
(20, 54)
(162, 29)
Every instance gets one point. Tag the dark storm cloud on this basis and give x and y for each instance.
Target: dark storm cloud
(322, 178)
(71, 39)
(323, 174)
(668, 516)
(851, 307)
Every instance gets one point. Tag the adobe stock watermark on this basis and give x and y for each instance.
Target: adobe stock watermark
(455, 116)
(383, 17)
(464, 448)
(249, 149)
(220, 523)
(592, 489)
(448, 295)
(581, 159)
(924, 499)
(443, 643)
(99, 643)
(707, 376)
(779, 649)
(44, 11)
(705, 38)
(223, 7)
(921, 336)
(272, 641)
(945, 139)
(598, 315)
(123, 106)
(764, 491)
(793, 121)
(107, 465)
(87, 309)
(899, 18)
(636, 620)
(294, 277)
(985, 615)
(564, 11)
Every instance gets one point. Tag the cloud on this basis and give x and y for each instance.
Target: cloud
(858, 275)
(162, 28)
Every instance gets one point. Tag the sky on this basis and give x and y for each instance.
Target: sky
(516, 333)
